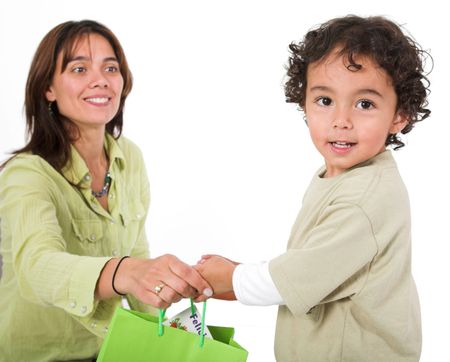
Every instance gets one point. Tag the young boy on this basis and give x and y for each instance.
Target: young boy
(344, 285)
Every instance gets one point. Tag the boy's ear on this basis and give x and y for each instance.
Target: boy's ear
(398, 123)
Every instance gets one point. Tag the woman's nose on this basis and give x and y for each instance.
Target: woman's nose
(99, 80)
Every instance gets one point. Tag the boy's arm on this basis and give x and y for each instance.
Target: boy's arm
(250, 284)
(225, 296)
(218, 271)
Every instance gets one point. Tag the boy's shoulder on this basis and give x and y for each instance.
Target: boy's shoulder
(374, 181)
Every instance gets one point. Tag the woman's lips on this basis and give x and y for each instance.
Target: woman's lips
(98, 100)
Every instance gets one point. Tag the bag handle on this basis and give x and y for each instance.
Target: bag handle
(162, 313)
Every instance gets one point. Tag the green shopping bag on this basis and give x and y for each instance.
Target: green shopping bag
(139, 337)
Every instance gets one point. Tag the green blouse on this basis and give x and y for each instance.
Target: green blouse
(55, 239)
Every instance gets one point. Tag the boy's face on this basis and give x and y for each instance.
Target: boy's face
(350, 113)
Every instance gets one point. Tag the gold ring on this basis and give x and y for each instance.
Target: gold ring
(158, 288)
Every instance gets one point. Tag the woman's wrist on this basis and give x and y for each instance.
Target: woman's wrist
(104, 288)
(121, 260)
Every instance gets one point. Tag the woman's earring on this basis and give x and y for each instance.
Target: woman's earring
(305, 119)
(50, 110)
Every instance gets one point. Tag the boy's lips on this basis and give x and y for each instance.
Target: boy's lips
(342, 146)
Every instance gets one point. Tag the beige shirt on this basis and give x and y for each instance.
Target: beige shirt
(346, 276)
(55, 240)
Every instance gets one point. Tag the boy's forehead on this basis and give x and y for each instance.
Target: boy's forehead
(337, 70)
(350, 62)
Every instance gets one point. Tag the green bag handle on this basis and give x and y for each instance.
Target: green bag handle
(162, 313)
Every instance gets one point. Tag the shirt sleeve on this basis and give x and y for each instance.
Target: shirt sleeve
(330, 264)
(47, 273)
(141, 248)
(253, 285)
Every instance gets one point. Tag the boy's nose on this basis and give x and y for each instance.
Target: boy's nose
(342, 119)
(342, 123)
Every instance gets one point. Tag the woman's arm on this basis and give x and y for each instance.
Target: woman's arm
(139, 277)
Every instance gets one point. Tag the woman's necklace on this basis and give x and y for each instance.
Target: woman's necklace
(105, 188)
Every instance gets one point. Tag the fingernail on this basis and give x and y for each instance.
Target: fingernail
(208, 292)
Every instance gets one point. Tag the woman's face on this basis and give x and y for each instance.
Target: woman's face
(89, 89)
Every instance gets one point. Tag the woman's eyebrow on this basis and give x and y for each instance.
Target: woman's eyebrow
(86, 58)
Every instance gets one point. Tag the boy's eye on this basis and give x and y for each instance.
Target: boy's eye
(364, 104)
(324, 101)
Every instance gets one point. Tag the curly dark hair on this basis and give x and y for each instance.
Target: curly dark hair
(378, 38)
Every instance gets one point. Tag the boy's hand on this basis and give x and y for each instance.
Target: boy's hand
(207, 256)
(218, 272)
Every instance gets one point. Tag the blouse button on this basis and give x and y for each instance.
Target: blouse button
(115, 253)
(87, 177)
(105, 330)
(93, 237)
(73, 304)
(83, 309)
(138, 216)
(93, 324)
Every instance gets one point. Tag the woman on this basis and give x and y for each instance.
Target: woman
(73, 204)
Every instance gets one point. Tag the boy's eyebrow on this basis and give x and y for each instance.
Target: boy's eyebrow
(370, 91)
(322, 88)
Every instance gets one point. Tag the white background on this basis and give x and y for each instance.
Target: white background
(227, 158)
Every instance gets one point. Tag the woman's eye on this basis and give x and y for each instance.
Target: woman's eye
(112, 69)
(324, 101)
(365, 104)
(78, 69)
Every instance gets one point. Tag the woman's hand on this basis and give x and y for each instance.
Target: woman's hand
(158, 282)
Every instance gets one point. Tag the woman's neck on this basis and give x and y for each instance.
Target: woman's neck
(89, 145)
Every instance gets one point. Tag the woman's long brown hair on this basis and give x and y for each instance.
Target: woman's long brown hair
(47, 130)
